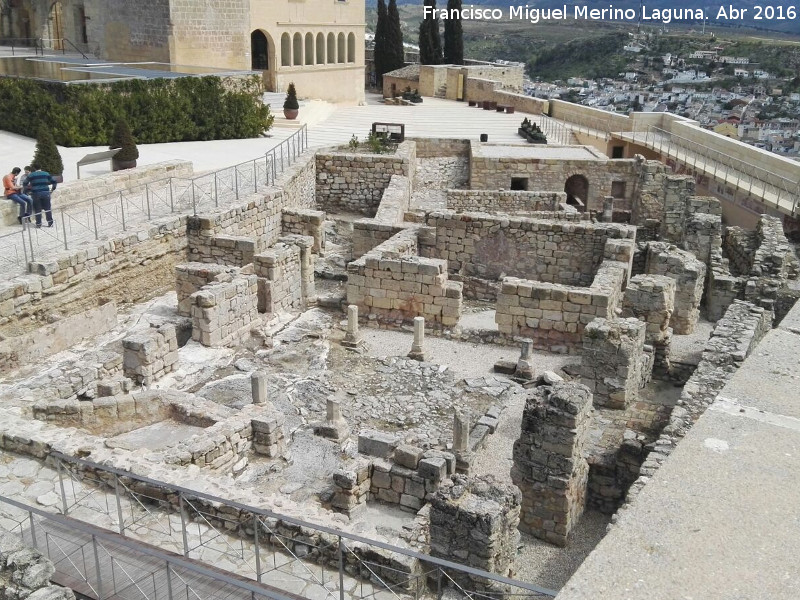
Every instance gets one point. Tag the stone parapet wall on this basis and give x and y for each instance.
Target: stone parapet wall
(73, 192)
(512, 202)
(549, 466)
(25, 572)
(149, 355)
(223, 313)
(355, 183)
(485, 89)
(395, 201)
(614, 364)
(190, 277)
(440, 147)
(553, 315)
(395, 284)
(489, 246)
(689, 275)
(306, 222)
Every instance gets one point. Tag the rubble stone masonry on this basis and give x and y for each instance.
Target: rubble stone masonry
(689, 275)
(223, 313)
(651, 298)
(150, 355)
(549, 467)
(190, 277)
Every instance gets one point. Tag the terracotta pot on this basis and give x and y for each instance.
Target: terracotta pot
(119, 165)
(290, 113)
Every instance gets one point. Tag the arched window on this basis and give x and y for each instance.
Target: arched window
(351, 48)
(309, 48)
(577, 189)
(286, 50)
(259, 51)
(297, 55)
(340, 48)
(320, 49)
(331, 48)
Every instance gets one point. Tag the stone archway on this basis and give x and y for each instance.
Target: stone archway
(577, 189)
(259, 51)
(55, 26)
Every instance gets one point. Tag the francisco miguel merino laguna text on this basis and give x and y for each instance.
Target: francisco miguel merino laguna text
(663, 15)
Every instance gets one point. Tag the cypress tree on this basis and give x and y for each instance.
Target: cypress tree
(430, 45)
(453, 36)
(122, 138)
(395, 54)
(47, 156)
(381, 51)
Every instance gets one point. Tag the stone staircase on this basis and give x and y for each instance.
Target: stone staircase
(311, 111)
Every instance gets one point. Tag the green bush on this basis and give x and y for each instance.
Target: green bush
(123, 139)
(47, 156)
(157, 110)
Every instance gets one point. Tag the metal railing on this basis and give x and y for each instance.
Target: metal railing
(104, 565)
(265, 545)
(116, 213)
(556, 132)
(23, 45)
(772, 188)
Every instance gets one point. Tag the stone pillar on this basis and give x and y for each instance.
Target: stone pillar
(651, 298)
(307, 287)
(351, 488)
(258, 387)
(461, 430)
(334, 427)
(549, 467)
(524, 368)
(473, 521)
(417, 350)
(614, 362)
(608, 209)
(352, 337)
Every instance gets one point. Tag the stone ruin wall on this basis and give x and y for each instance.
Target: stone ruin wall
(512, 202)
(223, 313)
(440, 147)
(491, 173)
(484, 247)
(191, 277)
(139, 265)
(25, 572)
(689, 275)
(549, 467)
(149, 355)
(734, 338)
(651, 299)
(285, 275)
(355, 183)
(305, 222)
(648, 207)
(395, 284)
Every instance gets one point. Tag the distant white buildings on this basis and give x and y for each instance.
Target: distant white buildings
(734, 60)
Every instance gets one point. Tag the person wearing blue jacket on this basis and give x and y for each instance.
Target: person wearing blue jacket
(40, 184)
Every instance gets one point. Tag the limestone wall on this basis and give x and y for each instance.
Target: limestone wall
(486, 247)
(481, 90)
(354, 183)
(614, 365)
(285, 275)
(25, 572)
(441, 147)
(495, 173)
(504, 201)
(689, 275)
(77, 378)
(651, 299)
(554, 315)
(149, 355)
(190, 277)
(223, 313)
(648, 204)
(549, 466)
(230, 250)
(395, 284)
(306, 222)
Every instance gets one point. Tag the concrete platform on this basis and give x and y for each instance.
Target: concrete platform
(721, 518)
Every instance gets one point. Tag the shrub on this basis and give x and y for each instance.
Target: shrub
(291, 99)
(122, 138)
(47, 156)
(158, 110)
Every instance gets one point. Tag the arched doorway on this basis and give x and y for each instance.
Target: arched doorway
(259, 51)
(55, 26)
(577, 189)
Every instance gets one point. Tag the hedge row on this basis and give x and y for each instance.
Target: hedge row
(158, 110)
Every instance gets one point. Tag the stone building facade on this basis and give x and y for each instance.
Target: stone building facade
(317, 44)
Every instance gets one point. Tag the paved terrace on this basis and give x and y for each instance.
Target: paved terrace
(719, 519)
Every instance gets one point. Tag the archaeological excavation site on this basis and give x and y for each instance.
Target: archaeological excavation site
(453, 369)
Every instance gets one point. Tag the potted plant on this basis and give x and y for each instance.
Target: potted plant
(290, 105)
(122, 138)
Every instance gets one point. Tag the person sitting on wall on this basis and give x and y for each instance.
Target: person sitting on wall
(14, 193)
(39, 184)
(22, 178)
